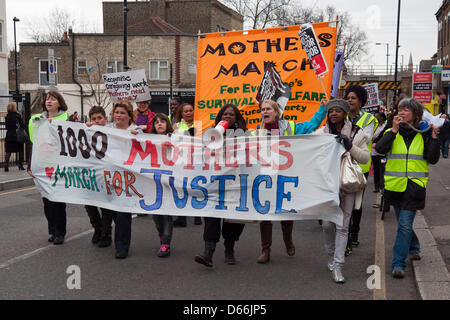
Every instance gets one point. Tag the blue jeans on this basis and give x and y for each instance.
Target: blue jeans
(445, 148)
(406, 241)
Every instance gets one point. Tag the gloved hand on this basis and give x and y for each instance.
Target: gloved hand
(345, 141)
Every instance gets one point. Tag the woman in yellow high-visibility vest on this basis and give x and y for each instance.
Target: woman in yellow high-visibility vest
(408, 155)
(54, 107)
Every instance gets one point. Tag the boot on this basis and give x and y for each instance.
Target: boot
(229, 252)
(97, 235)
(266, 242)
(206, 258)
(180, 222)
(287, 237)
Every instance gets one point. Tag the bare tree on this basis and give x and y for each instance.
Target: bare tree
(271, 13)
(257, 13)
(347, 33)
(52, 28)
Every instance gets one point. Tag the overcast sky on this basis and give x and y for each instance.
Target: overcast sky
(418, 28)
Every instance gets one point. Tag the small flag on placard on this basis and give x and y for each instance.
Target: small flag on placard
(273, 88)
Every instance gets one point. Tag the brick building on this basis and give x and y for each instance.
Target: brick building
(153, 44)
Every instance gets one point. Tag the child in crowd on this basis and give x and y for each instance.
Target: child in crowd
(102, 224)
(164, 224)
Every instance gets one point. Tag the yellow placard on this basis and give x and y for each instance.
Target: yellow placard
(230, 67)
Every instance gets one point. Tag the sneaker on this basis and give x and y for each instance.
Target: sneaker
(398, 273)
(355, 243)
(164, 251)
(337, 275)
(348, 251)
(330, 263)
(203, 260)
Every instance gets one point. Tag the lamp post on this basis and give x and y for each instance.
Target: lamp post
(387, 54)
(396, 48)
(125, 11)
(15, 56)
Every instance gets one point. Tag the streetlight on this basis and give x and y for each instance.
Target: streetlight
(15, 55)
(387, 54)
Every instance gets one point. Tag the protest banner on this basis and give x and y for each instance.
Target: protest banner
(337, 73)
(373, 101)
(422, 87)
(273, 88)
(250, 178)
(230, 66)
(130, 85)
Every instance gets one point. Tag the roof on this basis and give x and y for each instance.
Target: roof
(152, 25)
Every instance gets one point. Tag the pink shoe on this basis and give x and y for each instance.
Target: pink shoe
(164, 251)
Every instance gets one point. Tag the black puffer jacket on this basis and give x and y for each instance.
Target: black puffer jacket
(413, 198)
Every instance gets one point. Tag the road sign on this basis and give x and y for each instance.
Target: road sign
(51, 68)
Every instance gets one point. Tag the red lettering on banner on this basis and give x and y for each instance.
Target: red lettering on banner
(290, 159)
(136, 149)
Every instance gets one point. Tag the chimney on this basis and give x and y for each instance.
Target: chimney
(65, 36)
(70, 30)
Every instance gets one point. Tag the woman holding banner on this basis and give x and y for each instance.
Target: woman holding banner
(230, 231)
(123, 118)
(184, 124)
(54, 107)
(354, 141)
(274, 125)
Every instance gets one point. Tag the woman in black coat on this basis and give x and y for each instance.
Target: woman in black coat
(11, 145)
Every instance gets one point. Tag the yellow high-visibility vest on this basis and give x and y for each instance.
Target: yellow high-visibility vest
(62, 116)
(364, 121)
(403, 164)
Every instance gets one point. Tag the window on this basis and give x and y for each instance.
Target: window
(114, 66)
(159, 70)
(43, 72)
(81, 67)
(1, 36)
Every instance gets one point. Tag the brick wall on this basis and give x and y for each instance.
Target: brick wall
(30, 53)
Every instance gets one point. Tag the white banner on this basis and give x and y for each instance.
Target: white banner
(249, 178)
(130, 85)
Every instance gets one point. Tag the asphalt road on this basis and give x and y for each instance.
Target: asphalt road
(31, 268)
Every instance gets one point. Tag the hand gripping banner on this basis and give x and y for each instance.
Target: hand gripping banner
(230, 67)
(249, 178)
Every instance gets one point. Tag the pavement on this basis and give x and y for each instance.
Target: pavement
(432, 226)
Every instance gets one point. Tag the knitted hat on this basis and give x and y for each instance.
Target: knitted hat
(339, 103)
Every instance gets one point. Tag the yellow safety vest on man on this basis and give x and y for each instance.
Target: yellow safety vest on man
(364, 121)
(403, 164)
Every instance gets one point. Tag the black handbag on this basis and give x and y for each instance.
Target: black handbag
(21, 134)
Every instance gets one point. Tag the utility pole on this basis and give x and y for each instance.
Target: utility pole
(125, 11)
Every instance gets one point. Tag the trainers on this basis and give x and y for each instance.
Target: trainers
(355, 243)
(164, 251)
(348, 251)
(398, 273)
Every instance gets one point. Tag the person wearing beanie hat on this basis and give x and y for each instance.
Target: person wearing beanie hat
(406, 176)
(356, 97)
(354, 141)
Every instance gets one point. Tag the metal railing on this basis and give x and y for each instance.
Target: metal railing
(379, 70)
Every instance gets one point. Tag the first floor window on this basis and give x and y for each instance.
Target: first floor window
(159, 70)
(82, 67)
(113, 66)
(43, 72)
